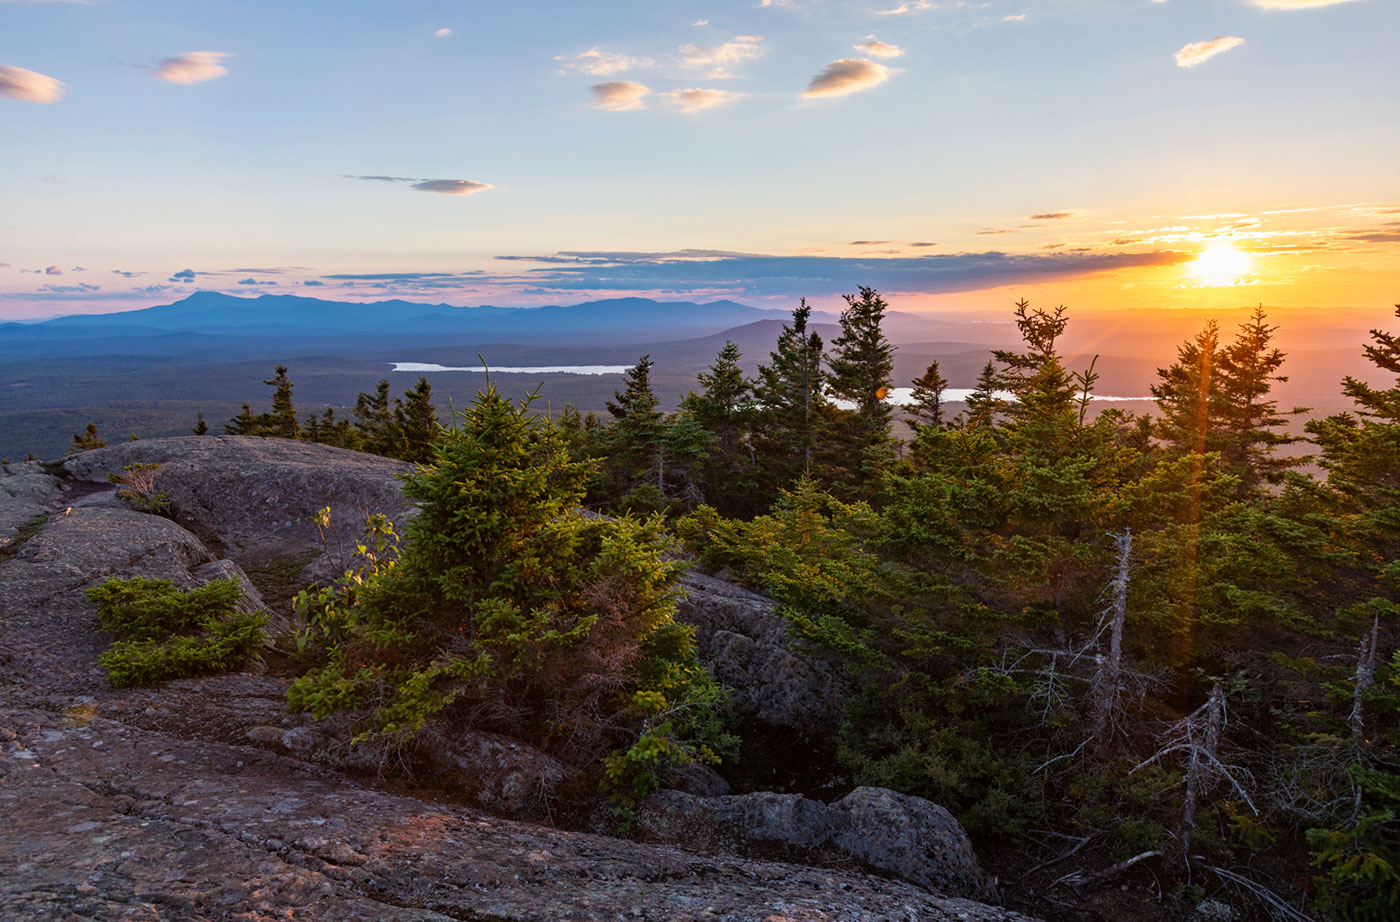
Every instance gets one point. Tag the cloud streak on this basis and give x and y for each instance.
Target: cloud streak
(845, 76)
(192, 67)
(1200, 52)
(717, 60)
(595, 62)
(451, 186)
(1296, 4)
(29, 85)
(760, 275)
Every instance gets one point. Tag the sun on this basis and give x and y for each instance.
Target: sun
(1220, 264)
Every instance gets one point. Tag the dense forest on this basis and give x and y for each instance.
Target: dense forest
(1115, 645)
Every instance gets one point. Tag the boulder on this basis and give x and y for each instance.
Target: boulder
(248, 494)
(502, 775)
(747, 646)
(909, 837)
(26, 492)
(912, 838)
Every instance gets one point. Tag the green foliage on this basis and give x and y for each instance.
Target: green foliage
(137, 486)
(1362, 862)
(165, 633)
(87, 440)
(509, 609)
(22, 535)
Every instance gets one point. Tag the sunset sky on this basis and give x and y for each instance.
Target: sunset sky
(952, 154)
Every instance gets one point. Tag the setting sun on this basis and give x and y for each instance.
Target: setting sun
(1220, 264)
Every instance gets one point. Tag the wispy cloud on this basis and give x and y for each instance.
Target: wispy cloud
(912, 6)
(595, 62)
(1053, 215)
(1019, 17)
(717, 60)
(452, 186)
(1198, 52)
(192, 67)
(443, 186)
(443, 32)
(29, 85)
(696, 99)
(618, 95)
(845, 76)
(1296, 4)
(876, 48)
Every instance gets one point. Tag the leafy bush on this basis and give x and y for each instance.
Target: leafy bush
(166, 633)
(511, 610)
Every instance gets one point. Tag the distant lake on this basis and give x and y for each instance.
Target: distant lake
(904, 396)
(519, 369)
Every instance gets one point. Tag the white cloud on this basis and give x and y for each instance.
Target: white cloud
(694, 100)
(443, 32)
(1296, 4)
(452, 186)
(1198, 52)
(595, 62)
(847, 75)
(28, 85)
(192, 67)
(701, 22)
(619, 95)
(912, 6)
(1019, 17)
(879, 49)
(717, 60)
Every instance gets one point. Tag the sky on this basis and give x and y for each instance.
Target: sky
(1106, 154)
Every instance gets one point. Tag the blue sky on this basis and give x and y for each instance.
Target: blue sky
(951, 151)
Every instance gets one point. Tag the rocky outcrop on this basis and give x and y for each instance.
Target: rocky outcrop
(910, 837)
(748, 648)
(259, 494)
(26, 492)
(106, 821)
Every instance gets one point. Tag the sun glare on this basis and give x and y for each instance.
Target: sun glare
(1220, 264)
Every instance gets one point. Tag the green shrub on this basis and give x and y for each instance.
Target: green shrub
(137, 484)
(168, 633)
(510, 610)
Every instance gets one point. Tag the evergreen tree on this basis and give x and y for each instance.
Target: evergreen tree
(634, 441)
(200, 426)
(724, 404)
(375, 420)
(1250, 420)
(926, 405)
(861, 363)
(415, 423)
(283, 420)
(245, 423)
(983, 404)
(87, 440)
(1185, 395)
(791, 398)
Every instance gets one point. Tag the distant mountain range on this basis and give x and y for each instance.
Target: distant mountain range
(211, 320)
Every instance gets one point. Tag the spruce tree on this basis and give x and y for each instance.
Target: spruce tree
(200, 426)
(1250, 419)
(415, 423)
(791, 398)
(245, 423)
(283, 421)
(375, 420)
(634, 441)
(87, 440)
(983, 404)
(862, 362)
(926, 404)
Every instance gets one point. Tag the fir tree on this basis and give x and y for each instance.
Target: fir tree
(200, 426)
(245, 423)
(415, 423)
(862, 362)
(926, 405)
(87, 440)
(983, 404)
(375, 420)
(634, 441)
(1250, 419)
(791, 399)
(283, 420)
